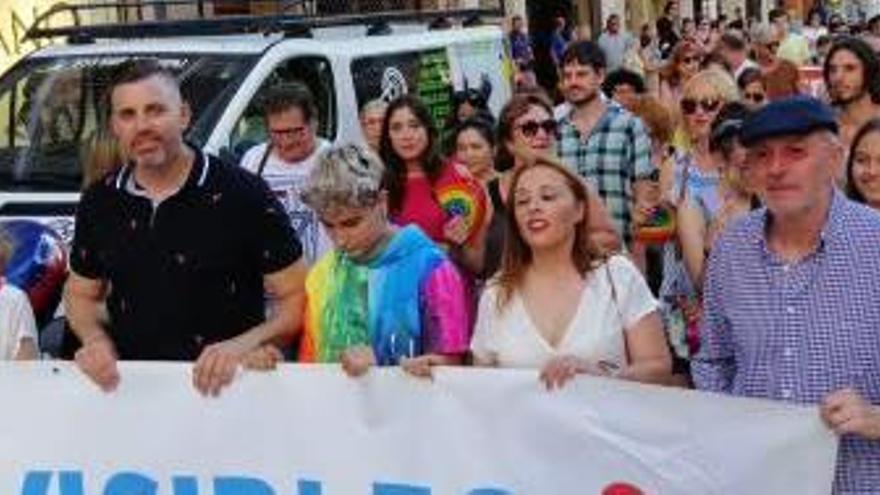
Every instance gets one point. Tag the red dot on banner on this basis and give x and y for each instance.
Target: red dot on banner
(621, 488)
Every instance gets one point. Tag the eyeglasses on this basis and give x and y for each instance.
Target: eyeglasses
(773, 46)
(689, 106)
(530, 128)
(754, 97)
(289, 133)
(690, 60)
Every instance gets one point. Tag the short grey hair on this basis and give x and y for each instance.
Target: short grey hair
(377, 105)
(347, 176)
(763, 34)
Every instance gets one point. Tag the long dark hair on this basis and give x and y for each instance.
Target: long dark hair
(870, 65)
(394, 180)
(852, 191)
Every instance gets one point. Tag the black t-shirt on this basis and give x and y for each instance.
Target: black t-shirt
(188, 272)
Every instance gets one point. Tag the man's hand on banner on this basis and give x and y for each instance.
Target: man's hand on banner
(97, 359)
(217, 365)
(357, 360)
(847, 412)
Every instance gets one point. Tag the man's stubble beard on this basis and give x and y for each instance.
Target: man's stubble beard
(847, 102)
(586, 100)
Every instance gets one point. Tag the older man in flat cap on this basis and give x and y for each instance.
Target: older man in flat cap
(792, 296)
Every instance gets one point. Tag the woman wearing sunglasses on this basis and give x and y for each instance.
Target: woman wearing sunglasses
(684, 63)
(467, 103)
(752, 89)
(696, 181)
(699, 227)
(419, 183)
(526, 128)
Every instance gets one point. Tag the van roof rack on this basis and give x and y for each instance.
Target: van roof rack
(150, 19)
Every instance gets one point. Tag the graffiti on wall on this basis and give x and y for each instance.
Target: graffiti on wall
(16, 17)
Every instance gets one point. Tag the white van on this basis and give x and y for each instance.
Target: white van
(52, 101)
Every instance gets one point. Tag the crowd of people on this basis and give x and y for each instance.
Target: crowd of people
(687, 215)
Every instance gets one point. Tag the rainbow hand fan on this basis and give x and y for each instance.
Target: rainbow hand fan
(464, 199)
(660, 227)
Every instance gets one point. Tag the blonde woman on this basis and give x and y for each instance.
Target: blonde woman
(696, 182)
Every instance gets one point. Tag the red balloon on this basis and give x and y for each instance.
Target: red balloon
(621, 488)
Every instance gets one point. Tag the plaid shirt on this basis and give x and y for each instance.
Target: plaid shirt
(615, 154)
(796, 332)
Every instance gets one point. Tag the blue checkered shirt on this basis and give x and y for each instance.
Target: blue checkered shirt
(796, 332)
(615, 154)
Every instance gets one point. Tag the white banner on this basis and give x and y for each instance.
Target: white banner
(310, 430)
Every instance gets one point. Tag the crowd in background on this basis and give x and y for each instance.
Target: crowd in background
(586, 228)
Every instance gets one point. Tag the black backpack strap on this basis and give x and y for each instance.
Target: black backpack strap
(264, 159)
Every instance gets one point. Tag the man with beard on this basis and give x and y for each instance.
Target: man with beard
(600, 140)
(852, 78)
(179, 245)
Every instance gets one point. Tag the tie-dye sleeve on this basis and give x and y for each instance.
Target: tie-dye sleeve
(446, 309)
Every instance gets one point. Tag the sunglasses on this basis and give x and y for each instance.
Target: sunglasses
(472, 96)
(690, 60)
(689, 106)
(531, 127)
(754, 97)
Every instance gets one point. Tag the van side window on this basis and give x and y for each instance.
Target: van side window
(424, 73)
(316, 73)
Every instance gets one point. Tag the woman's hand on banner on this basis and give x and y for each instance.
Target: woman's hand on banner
(263, 358)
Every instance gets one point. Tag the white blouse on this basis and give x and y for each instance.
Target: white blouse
(509, 337)
(16, 320)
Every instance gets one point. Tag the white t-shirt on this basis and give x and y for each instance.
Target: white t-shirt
(16, 320)
(287, 180)
(596, 332)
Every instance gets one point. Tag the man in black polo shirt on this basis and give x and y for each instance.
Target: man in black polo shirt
(181, 246)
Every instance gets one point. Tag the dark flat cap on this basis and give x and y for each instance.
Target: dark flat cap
(793, 116)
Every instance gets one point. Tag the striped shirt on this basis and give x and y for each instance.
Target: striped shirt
(798, 331)
(615, 154)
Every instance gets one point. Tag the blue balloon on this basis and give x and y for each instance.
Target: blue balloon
(38, 265)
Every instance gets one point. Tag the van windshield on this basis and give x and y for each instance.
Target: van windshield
(53, 115)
